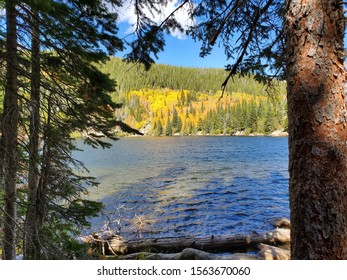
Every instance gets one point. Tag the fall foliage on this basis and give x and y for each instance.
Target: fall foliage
(169, 100)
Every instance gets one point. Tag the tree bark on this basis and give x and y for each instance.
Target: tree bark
(32, 224)
(10, 131)
(317, 129)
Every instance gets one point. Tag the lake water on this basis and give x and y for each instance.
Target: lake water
(174, 186)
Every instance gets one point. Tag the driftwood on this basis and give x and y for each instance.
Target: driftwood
(212, 244)
(188, 254)
(272, 245)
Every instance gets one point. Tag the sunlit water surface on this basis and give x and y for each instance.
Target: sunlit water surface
(174, 186)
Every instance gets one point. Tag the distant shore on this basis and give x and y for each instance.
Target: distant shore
(276, 133)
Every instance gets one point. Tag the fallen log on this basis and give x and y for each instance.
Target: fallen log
(188, 254)
(212, 244)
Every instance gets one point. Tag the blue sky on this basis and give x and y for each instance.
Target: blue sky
(180, 50)
(183, 52)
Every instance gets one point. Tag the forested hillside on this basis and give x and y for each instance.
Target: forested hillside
(169, 100)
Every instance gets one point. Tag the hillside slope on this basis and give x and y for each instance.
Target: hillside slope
(169, 100)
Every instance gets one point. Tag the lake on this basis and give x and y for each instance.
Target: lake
(200, 186)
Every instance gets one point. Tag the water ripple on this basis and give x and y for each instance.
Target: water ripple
(224, 185)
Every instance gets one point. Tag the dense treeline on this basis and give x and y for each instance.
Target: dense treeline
(208, 80)
(168, 112)
(170, 100)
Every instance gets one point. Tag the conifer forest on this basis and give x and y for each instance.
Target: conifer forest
(170, 100)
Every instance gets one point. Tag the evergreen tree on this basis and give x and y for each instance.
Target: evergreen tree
(9, 134)
(174, 120)
(183, 97)
(269, 121)
(159, 129)
(252, 116)
(179, 125)
(33, 224)
(168, 128)
(201, 125)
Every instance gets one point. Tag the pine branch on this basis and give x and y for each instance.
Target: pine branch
(126, 128)
(172, 13)
(238, 3)
(245, 46)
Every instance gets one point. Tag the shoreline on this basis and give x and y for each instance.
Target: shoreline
(273, 134)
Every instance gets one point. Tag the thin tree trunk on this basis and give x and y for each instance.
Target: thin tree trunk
(10, 131)
(32, 227)
(43, 181)
(317, 129)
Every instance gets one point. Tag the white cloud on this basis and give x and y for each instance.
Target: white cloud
(127, 14)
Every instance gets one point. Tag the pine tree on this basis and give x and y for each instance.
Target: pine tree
(9, 135)
(183, 97)
(174, 122)
(269, 121)
(179, 125)
(159, 129)
(33, 224)
(168, 128)
(252, 116)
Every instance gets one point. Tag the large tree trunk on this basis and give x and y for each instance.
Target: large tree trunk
(32, 225)
(317, 129)
(10, 131)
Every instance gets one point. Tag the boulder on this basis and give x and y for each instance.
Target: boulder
(280, 223)
(194, 254)
(278, 236)
(188, 254)
(268, 252)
